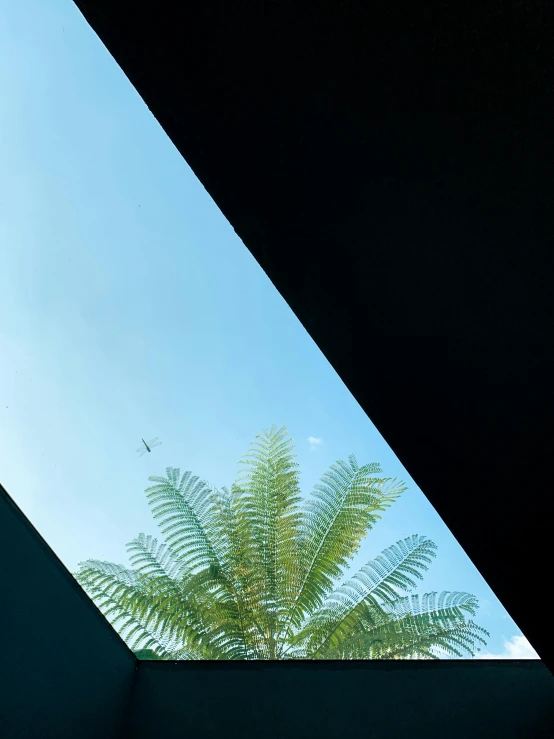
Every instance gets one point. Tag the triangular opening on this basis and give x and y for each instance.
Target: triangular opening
(131, 309)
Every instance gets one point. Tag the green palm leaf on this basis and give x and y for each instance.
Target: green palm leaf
(344, 506)
(379, 582)
(212, 624)
(243, 572)
(162, 581)
(183, 507)
(118, 593)
(267, 495)
(421, 628)
(252, 572)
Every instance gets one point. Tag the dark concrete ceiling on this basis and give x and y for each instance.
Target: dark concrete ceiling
(391, 171)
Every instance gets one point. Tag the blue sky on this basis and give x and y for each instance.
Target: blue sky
(130, 308)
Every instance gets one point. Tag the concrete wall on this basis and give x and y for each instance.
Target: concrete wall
(434, 699)
(64, 672)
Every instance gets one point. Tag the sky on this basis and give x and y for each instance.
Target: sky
(129, 308)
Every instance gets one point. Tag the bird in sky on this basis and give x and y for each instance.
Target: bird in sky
(148, 445)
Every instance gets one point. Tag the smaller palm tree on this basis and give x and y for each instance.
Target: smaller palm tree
(252, 572)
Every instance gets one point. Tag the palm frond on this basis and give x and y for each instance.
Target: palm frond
(252, 573)
(344, 506)
(243, 572)
(451, 604)
(183, 507)
(117, 592)
(203, 600)
(379, 582)
(161, 581)
(414, 627)
(148, 557)
(267, 495)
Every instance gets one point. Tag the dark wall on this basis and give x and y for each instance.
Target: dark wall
(64, 672)
(388, 699)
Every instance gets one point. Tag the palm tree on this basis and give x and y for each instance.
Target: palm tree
(251, 572)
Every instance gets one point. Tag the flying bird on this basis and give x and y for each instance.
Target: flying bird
(148, 445)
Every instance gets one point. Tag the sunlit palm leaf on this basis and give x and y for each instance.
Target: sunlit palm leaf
(414, 627)
(184, 509)
(267, 495)
(251, 572)
(117, 592)
(379, 582)
(344, 506)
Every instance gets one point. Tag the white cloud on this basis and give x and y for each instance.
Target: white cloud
(314, 442)
(517, 647)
